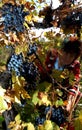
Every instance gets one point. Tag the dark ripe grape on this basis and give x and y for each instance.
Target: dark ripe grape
(14, 17)
(32, 49)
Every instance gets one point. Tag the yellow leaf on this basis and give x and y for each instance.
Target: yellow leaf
(1, 4)
(6, 1)
(28, 18)
(21, 48)
(62, 76)
(24, 124)
(44, 100)
(13, 78)
(20, 91)
(2, 91)
(3, 104)
(22, 1)
(48, 125)
(12, 123)
(26, 25)
(18, 87)
(17, 100)
(30, 126)
(17, 117)
(18, 80)
(40, 127)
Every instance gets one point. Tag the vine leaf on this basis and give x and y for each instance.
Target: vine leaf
(6, 1)
(3, 104)
(18, 88)
(80, 116)
(21, 48)
(40, 98)
(30, 126)
(48, 125)
(1, 4)
(44, 100)
(59, 102)
(17, 117)
(16, 125)
(44, 86)
(35, 99)
(77, 124)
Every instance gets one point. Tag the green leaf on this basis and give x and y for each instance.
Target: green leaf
(35, 99)
(59, 102)
(44, 86)
(55, 126)
(1, 118)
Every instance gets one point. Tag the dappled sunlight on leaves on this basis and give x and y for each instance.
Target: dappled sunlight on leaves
(38, 96)
(18, 87)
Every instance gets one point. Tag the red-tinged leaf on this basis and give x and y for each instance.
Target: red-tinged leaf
(28, 5)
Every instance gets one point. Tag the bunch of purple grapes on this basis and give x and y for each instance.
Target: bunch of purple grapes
(56, 115)
(23, 68)
(15, 63)
(14, 17)
(30, 72)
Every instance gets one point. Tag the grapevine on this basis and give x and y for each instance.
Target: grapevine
(38, 91)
